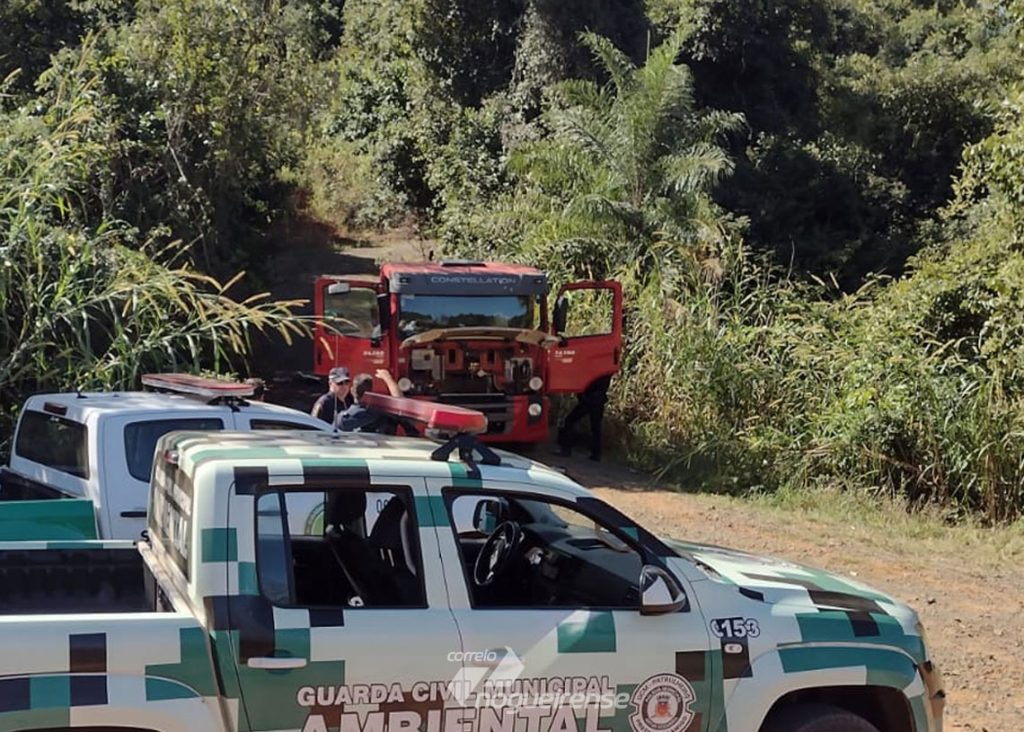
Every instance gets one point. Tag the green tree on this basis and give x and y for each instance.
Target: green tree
(548, 50)
(32, 30)
(858, 114)
(624, 179)
(207, 102)
(83, 303)
(468, 46)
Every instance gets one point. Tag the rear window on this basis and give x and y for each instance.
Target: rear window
(55, 442)
(140, 440)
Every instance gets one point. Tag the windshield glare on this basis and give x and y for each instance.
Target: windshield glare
(420, 313)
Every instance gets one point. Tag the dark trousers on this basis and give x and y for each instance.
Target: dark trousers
(589, 404)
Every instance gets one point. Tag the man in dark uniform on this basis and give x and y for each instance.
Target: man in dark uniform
(360, 418)
(590, 403)
(338, 397)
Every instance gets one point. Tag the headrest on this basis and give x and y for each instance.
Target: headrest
(344, 507)
(387, 529)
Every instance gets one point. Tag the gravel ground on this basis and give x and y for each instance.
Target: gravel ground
(970, 599)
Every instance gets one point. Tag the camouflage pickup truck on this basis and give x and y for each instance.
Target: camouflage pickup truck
(367, 583)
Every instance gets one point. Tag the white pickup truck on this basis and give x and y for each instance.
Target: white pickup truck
(99, 446)
(433, 594)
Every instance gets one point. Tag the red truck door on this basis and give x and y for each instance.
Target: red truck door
(588, 319)
(348, 328)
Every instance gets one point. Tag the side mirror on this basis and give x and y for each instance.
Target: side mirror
(339, 288)
(560, 317)
(660, 593)
(486, 515)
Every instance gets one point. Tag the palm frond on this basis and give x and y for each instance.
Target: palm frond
(696, 168)
(612, 60)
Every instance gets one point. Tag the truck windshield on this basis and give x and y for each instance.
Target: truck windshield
(420, 313)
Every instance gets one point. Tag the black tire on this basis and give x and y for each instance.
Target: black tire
(817, 718)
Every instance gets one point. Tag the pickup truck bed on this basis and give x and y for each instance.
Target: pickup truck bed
(112, 577)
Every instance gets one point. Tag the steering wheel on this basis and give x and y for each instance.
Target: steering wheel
(496, 554)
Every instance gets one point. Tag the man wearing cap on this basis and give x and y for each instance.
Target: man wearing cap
(360, 418)
(338, 397)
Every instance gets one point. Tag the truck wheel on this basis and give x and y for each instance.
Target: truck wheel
(818, 718)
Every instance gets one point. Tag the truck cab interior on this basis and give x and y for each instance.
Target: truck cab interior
(521, 552)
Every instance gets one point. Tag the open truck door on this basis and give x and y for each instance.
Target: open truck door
(351, 317)
(587, 319)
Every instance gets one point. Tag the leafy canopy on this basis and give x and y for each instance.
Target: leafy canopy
(623, 178)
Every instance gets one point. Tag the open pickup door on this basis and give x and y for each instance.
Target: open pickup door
(587, 319)
(351, 317)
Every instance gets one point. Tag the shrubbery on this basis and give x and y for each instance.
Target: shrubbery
(84, 301)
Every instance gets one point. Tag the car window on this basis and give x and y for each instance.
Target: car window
(56, 442)
(140, 440)
(353, 313)
(343, 547)
(279, 424)
(528, 552)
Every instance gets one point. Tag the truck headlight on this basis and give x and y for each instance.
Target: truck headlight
(404, 384)
(536, 384)
(534, 410)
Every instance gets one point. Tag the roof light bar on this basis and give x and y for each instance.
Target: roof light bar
(201, 386)
(439, 417)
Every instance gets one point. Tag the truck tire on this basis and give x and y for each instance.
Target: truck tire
(818, 718)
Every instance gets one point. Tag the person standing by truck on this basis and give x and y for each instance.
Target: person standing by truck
(338, 397)
(590, 403)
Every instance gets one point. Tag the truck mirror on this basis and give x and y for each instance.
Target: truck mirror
(376, 335)
(561, 315)
(660, 593)
(486, 515)
(338, 288)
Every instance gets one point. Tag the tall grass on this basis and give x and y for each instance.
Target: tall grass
(82, 303)
(759, 384)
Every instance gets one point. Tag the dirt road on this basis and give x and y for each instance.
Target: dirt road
(967, 585)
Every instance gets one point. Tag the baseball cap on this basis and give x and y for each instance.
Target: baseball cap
(338, 375)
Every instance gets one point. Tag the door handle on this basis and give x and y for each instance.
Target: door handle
(137, 513)
(271, 663)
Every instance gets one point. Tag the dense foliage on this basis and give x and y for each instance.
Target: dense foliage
(816, 205)
(86, 301)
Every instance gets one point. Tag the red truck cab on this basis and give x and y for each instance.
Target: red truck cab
(473, 334)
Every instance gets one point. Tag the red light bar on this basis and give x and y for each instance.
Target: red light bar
(198, 385)
(441, 417)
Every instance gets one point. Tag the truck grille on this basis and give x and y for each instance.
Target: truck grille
(497, 407)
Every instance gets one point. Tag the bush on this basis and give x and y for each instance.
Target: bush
(91, 306)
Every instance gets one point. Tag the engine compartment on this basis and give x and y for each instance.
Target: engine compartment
(473, 367)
